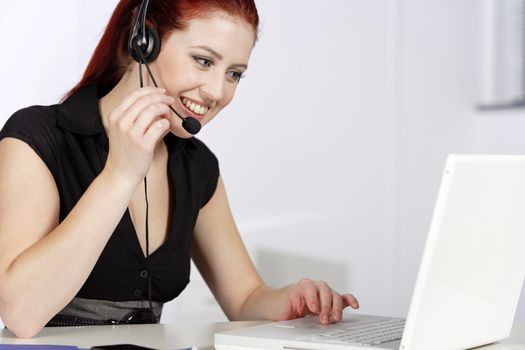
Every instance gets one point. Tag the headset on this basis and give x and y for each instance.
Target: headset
(144, 47)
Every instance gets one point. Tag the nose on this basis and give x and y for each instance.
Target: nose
(213, 88)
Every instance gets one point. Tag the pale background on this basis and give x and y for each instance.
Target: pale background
(333, 148)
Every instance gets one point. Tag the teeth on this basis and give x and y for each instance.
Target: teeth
(195, 108)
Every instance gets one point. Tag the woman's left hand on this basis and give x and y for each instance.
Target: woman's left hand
(316, 297)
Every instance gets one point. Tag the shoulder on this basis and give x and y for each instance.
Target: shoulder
(206, 166)
(38, 127)
(32, 121)
(203, 155)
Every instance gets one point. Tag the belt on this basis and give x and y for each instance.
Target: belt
(90, 312)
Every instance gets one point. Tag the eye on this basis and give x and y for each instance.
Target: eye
(235, 75)
(203, 61)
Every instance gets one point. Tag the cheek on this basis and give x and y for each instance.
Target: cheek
(182, 80)
(179, 75)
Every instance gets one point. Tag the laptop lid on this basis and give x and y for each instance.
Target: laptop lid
(473, 266)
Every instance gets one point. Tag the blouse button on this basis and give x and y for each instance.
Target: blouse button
(137, 292)
(144, 274)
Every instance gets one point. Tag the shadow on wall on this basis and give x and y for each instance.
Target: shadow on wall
(279, 269)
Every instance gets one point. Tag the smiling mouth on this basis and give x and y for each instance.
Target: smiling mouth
(194, 107)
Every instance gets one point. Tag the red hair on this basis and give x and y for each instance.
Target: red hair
(111, 58)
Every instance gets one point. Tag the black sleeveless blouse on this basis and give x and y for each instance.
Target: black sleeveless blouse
(71, 140)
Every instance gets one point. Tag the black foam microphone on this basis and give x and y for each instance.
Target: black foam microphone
(144, 46)
(190, 124)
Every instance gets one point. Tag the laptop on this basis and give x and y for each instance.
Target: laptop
(469, 280)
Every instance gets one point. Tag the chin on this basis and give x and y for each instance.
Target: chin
(180, 132)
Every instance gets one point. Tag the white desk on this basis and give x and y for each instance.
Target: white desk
(174, 335)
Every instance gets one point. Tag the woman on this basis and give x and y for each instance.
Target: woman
(77, 225)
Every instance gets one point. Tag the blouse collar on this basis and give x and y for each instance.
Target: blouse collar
(80, 114)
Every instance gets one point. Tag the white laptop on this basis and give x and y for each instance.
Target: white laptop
(469, 281)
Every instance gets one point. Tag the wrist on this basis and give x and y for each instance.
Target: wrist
(118, 180)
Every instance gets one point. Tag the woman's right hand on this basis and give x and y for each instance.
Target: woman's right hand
(134, 129)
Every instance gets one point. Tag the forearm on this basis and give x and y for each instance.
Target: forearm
(266, 303)
(47, 275)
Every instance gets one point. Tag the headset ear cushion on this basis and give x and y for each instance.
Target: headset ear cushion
(152, 50)
(153, 37)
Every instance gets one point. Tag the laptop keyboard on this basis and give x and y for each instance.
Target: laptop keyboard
(372, 333)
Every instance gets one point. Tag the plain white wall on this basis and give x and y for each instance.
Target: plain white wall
(333, 147)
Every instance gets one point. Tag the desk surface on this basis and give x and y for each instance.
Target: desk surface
(174, 335)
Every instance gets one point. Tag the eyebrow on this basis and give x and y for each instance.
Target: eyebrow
(218, 55)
